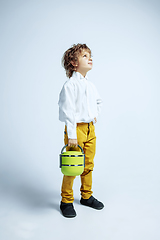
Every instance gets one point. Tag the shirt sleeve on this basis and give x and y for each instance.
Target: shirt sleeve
(98, 100)
(67, 109)
(99, 103)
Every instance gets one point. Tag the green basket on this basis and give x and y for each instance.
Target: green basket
(72, 163)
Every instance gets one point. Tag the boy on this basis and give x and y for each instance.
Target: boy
(79, 106)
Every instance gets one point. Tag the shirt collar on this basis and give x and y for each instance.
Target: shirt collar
(79, 75)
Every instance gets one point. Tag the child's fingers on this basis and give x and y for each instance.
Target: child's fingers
(72, 143)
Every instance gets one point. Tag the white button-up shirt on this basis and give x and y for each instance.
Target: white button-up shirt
(79, 102)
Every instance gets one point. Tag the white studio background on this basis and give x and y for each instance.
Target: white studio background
(124, 38)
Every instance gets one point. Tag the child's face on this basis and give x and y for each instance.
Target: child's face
(84, 62)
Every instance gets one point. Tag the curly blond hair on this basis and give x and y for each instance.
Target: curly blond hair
(71, 56)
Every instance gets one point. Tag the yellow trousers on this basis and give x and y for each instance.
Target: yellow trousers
(87, 140)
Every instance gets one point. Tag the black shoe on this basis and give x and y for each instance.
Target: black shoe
(92, 202)
(67, 210)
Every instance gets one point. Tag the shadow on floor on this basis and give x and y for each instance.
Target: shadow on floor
(77, 201)
(30, 196)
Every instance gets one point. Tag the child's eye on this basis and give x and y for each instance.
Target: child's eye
(85, 55)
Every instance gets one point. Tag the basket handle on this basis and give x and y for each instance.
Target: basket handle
(67, 145)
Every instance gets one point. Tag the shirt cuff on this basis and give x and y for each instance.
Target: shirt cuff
(72, 132)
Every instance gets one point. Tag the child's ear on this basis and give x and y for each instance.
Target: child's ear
(74, 64)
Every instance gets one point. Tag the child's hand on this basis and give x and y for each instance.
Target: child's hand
(72, 142)
(95, 119)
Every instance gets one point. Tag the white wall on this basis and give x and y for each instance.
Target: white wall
(124, 38)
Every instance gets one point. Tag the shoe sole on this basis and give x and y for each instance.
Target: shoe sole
(68, 216)
(99, 208)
